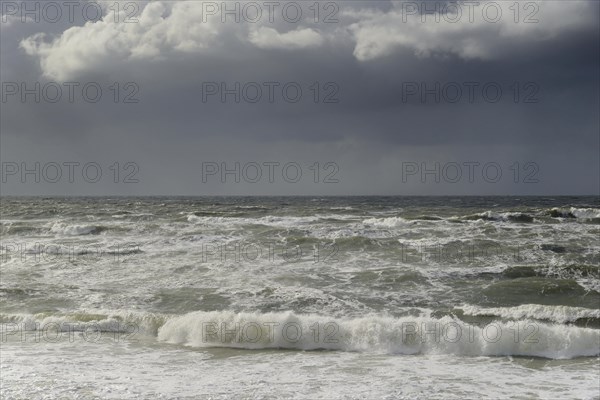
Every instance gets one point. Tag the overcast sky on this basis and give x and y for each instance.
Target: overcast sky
(347, 97)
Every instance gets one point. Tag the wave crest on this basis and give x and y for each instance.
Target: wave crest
(404, 335)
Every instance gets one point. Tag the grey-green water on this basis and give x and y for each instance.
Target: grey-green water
(440, 281)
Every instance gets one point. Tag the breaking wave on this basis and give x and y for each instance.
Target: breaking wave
(393, 335)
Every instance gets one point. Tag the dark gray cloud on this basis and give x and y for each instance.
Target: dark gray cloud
(370, 65)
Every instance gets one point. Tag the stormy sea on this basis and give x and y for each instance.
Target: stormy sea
(300, 297)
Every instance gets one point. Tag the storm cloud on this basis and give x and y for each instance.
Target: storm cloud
(360, 97)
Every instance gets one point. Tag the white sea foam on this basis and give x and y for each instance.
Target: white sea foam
(287, 330)
(390, 222)
(73, 230)
(581, 212)
(585, 213)
(406, 335)
(286, 222)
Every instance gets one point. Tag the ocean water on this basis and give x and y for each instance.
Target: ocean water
(300, 297)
